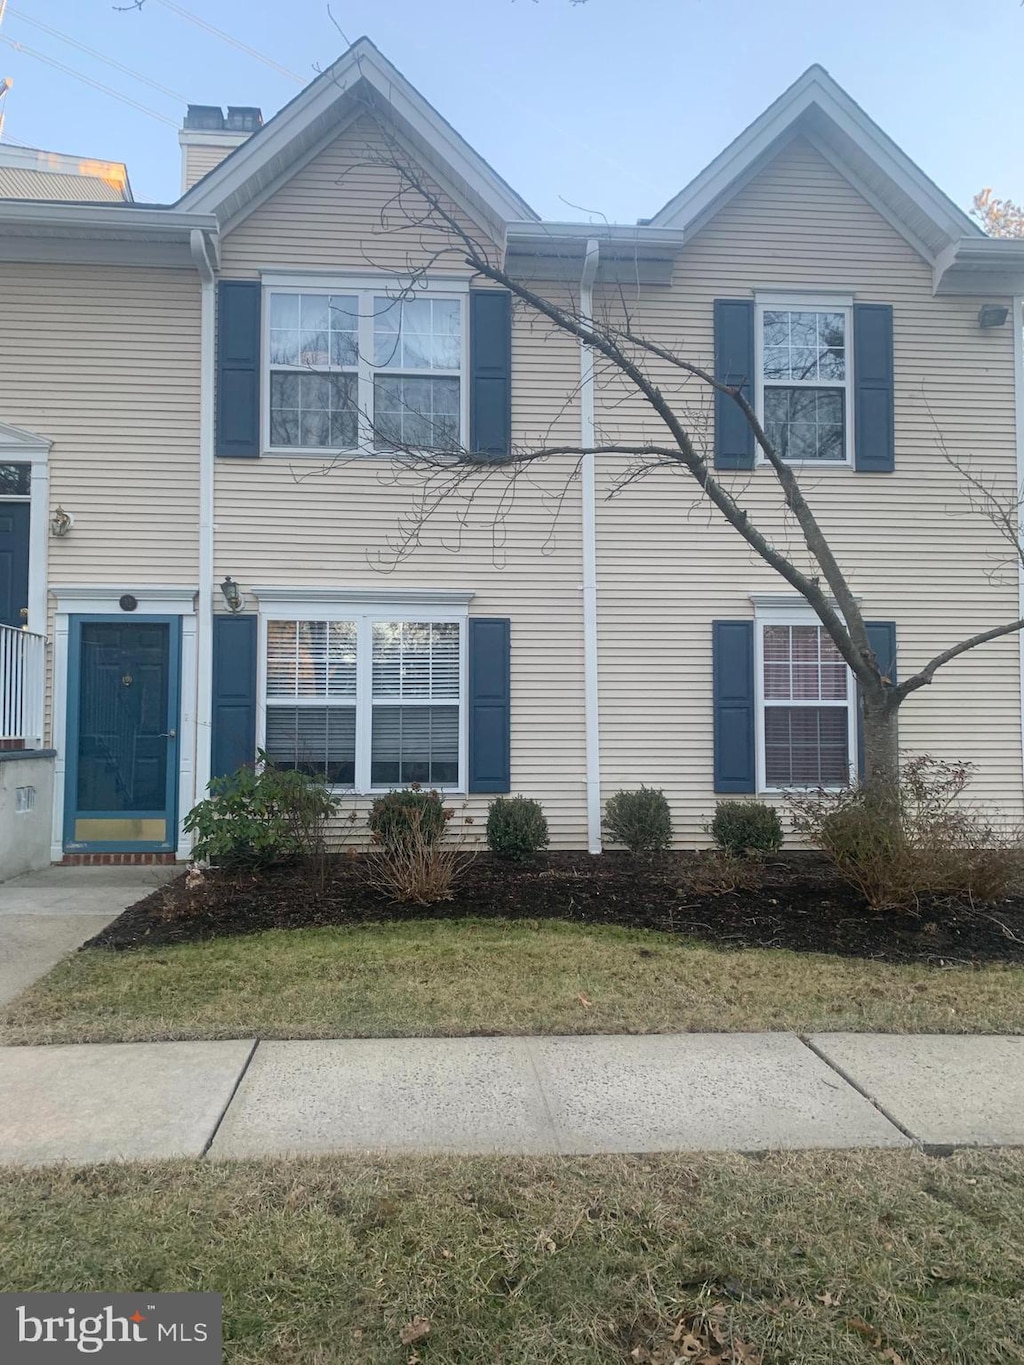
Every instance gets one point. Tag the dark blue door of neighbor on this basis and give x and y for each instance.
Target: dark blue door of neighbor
(14, 522)
(122, 745)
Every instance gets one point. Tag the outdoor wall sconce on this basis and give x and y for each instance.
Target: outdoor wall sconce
(993, 315)
(232, 594)
(61, 523)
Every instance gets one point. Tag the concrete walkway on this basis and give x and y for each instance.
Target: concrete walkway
(45, 915)
(570, 1095)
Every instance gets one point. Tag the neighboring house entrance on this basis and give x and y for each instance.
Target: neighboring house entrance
(14, 532)
(122, 735)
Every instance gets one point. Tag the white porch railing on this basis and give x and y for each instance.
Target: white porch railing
(22, 681)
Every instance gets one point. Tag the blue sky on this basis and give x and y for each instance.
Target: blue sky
(610, 106)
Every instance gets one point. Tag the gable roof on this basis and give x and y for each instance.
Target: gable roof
(361, 76)
(817, 108)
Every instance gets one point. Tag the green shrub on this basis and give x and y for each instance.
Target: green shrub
(408, 815)
(641, 820)
(919, 838)
(741, 827)
(516, 827)
(261, 816)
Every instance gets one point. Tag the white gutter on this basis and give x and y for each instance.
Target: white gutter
(590, 676)
(204, 611)
(1017, 321)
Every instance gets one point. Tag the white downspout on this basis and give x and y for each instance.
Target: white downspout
(1017, 319)
(204, 619)
(589, 474)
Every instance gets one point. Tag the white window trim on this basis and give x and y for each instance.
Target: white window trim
(363, 610)
(779, 615)
(792, 302)
(364, 288)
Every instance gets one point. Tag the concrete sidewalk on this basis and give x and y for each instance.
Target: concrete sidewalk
(566, 1095)
(45, 915)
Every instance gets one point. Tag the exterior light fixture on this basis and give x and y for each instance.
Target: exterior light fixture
(61, 523)
(993, 315)
(232, 594)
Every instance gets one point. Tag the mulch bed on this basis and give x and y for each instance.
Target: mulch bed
(799, 904)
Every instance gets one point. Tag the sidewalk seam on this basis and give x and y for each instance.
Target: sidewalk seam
(560, 1151)
(856, 1085)
(230, 1099)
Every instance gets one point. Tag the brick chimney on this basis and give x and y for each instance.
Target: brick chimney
(208, 135)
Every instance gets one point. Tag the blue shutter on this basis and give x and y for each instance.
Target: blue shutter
(734, 364)
(238, 368)
(490, 371)
(233, 742)
(873, 421)
(733, 670)
(882, 639)
(490, 689)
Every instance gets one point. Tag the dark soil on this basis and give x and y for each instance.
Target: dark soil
(798, 904)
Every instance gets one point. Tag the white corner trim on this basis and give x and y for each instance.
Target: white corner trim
(207, 517)
(392, 599)
(591, 694)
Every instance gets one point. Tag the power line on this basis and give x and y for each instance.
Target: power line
(87, 80)
(100, 56)
(235, 42)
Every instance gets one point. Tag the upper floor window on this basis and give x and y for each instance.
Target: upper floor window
(804, 386)
(364, 371)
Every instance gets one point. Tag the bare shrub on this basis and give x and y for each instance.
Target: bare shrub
(419, 868)
(716, 872)
(921, 839)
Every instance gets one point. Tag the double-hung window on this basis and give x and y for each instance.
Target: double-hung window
(804, 390)
(364, 370)
(370, 701)
(807, 713)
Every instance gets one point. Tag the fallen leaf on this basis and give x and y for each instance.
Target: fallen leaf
(865, 1330)
(584, 1000)
(640, 1354)
(892, 1356)
(414, 1331)
(829, 1299)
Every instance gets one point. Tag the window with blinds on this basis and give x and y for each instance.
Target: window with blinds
(366, 702)
(416, 674)
(311, 697)
(807, 698)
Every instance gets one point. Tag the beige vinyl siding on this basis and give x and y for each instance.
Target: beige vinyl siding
(300, 522)
(105, 362)
(199, 159)
(914, 553)
(340, 212)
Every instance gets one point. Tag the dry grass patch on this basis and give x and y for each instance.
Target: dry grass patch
(863, 1258)
(449, 978)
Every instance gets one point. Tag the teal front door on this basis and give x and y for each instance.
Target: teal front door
(122, 739)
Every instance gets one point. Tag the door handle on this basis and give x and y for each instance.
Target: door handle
(169, 734)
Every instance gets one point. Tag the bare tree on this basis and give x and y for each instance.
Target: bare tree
(649, 369)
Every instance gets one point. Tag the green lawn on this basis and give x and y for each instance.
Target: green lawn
(862, 1258)
(487, 977)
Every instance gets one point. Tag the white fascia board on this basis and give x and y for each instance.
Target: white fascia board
(815, 88)
(537, 234)
(102, 218)
(361, 62)
(980, 265)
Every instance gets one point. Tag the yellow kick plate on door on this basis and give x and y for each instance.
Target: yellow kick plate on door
(121, 829)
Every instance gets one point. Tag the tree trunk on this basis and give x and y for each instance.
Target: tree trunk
(881, 745)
